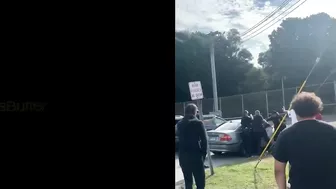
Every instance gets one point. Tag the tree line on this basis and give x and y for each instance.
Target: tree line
(294, 47)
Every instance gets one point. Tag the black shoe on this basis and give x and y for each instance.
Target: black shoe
(205, 166)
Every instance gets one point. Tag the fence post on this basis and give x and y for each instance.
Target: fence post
(242, 97)
(335, 90)
(184, 106)
(267, 104)
(220, 104)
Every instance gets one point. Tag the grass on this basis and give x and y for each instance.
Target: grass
(242, 176)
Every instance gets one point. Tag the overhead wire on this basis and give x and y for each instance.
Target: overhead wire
(281, 6)
(244, 40)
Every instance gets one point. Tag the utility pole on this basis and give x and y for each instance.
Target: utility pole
(213, 74)
(335, 90)
(283, 91)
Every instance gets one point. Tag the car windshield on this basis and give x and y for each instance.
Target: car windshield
(213, 121)
(230, 125)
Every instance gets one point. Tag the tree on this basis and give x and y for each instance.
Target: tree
(295, 46)
(192, 62)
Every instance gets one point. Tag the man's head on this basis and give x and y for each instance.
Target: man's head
(190, 110)
(257, 112)
(246, 112)
(306, 105)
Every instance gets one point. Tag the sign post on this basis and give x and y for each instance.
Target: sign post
(196, 93)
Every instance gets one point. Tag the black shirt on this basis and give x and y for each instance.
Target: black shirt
(246, 121)
(192, 136)
(276, 121)
(310, 148)
(257, 123)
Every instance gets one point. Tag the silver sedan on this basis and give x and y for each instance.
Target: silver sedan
(227, 138)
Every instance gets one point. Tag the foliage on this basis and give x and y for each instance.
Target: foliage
(293, 50)
(295, 46)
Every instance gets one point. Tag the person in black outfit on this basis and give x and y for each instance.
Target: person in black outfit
(258, 132)
(198, 117)
(192, 147)
(276, 119)
(246, 135)
(309, 146)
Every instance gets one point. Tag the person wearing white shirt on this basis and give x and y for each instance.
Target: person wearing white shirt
(291, 114)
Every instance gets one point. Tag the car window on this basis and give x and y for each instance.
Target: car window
(209, 122)
(229, 126)
(219, 122)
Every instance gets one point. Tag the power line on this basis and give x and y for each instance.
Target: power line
(273, 19)
(281, 6)
(277, 20)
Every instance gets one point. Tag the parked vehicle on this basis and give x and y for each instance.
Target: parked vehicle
(212, 122)
(227, 138)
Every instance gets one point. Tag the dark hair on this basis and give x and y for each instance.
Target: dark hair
(307, 104)
(190, 109)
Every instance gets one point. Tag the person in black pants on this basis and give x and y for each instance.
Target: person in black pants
(258, 132)
(246, 135)
(192, 147)
(198, 117)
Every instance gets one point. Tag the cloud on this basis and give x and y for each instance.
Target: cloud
(222, 15)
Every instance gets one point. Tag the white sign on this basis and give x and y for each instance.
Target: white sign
(196, 91)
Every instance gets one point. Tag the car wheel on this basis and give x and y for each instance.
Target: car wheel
(217, 153)
(242, 152)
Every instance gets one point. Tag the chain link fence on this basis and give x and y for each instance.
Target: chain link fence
(265, 101)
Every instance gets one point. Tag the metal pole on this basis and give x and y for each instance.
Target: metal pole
(220, 104)
(184, 106)
(213, 74)
(242, 98)
(283, 92)
(267, 104)
(200, 109)
(335, 90)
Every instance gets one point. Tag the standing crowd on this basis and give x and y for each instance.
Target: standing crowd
(308, 144)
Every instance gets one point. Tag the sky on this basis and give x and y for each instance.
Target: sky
(222, 15)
